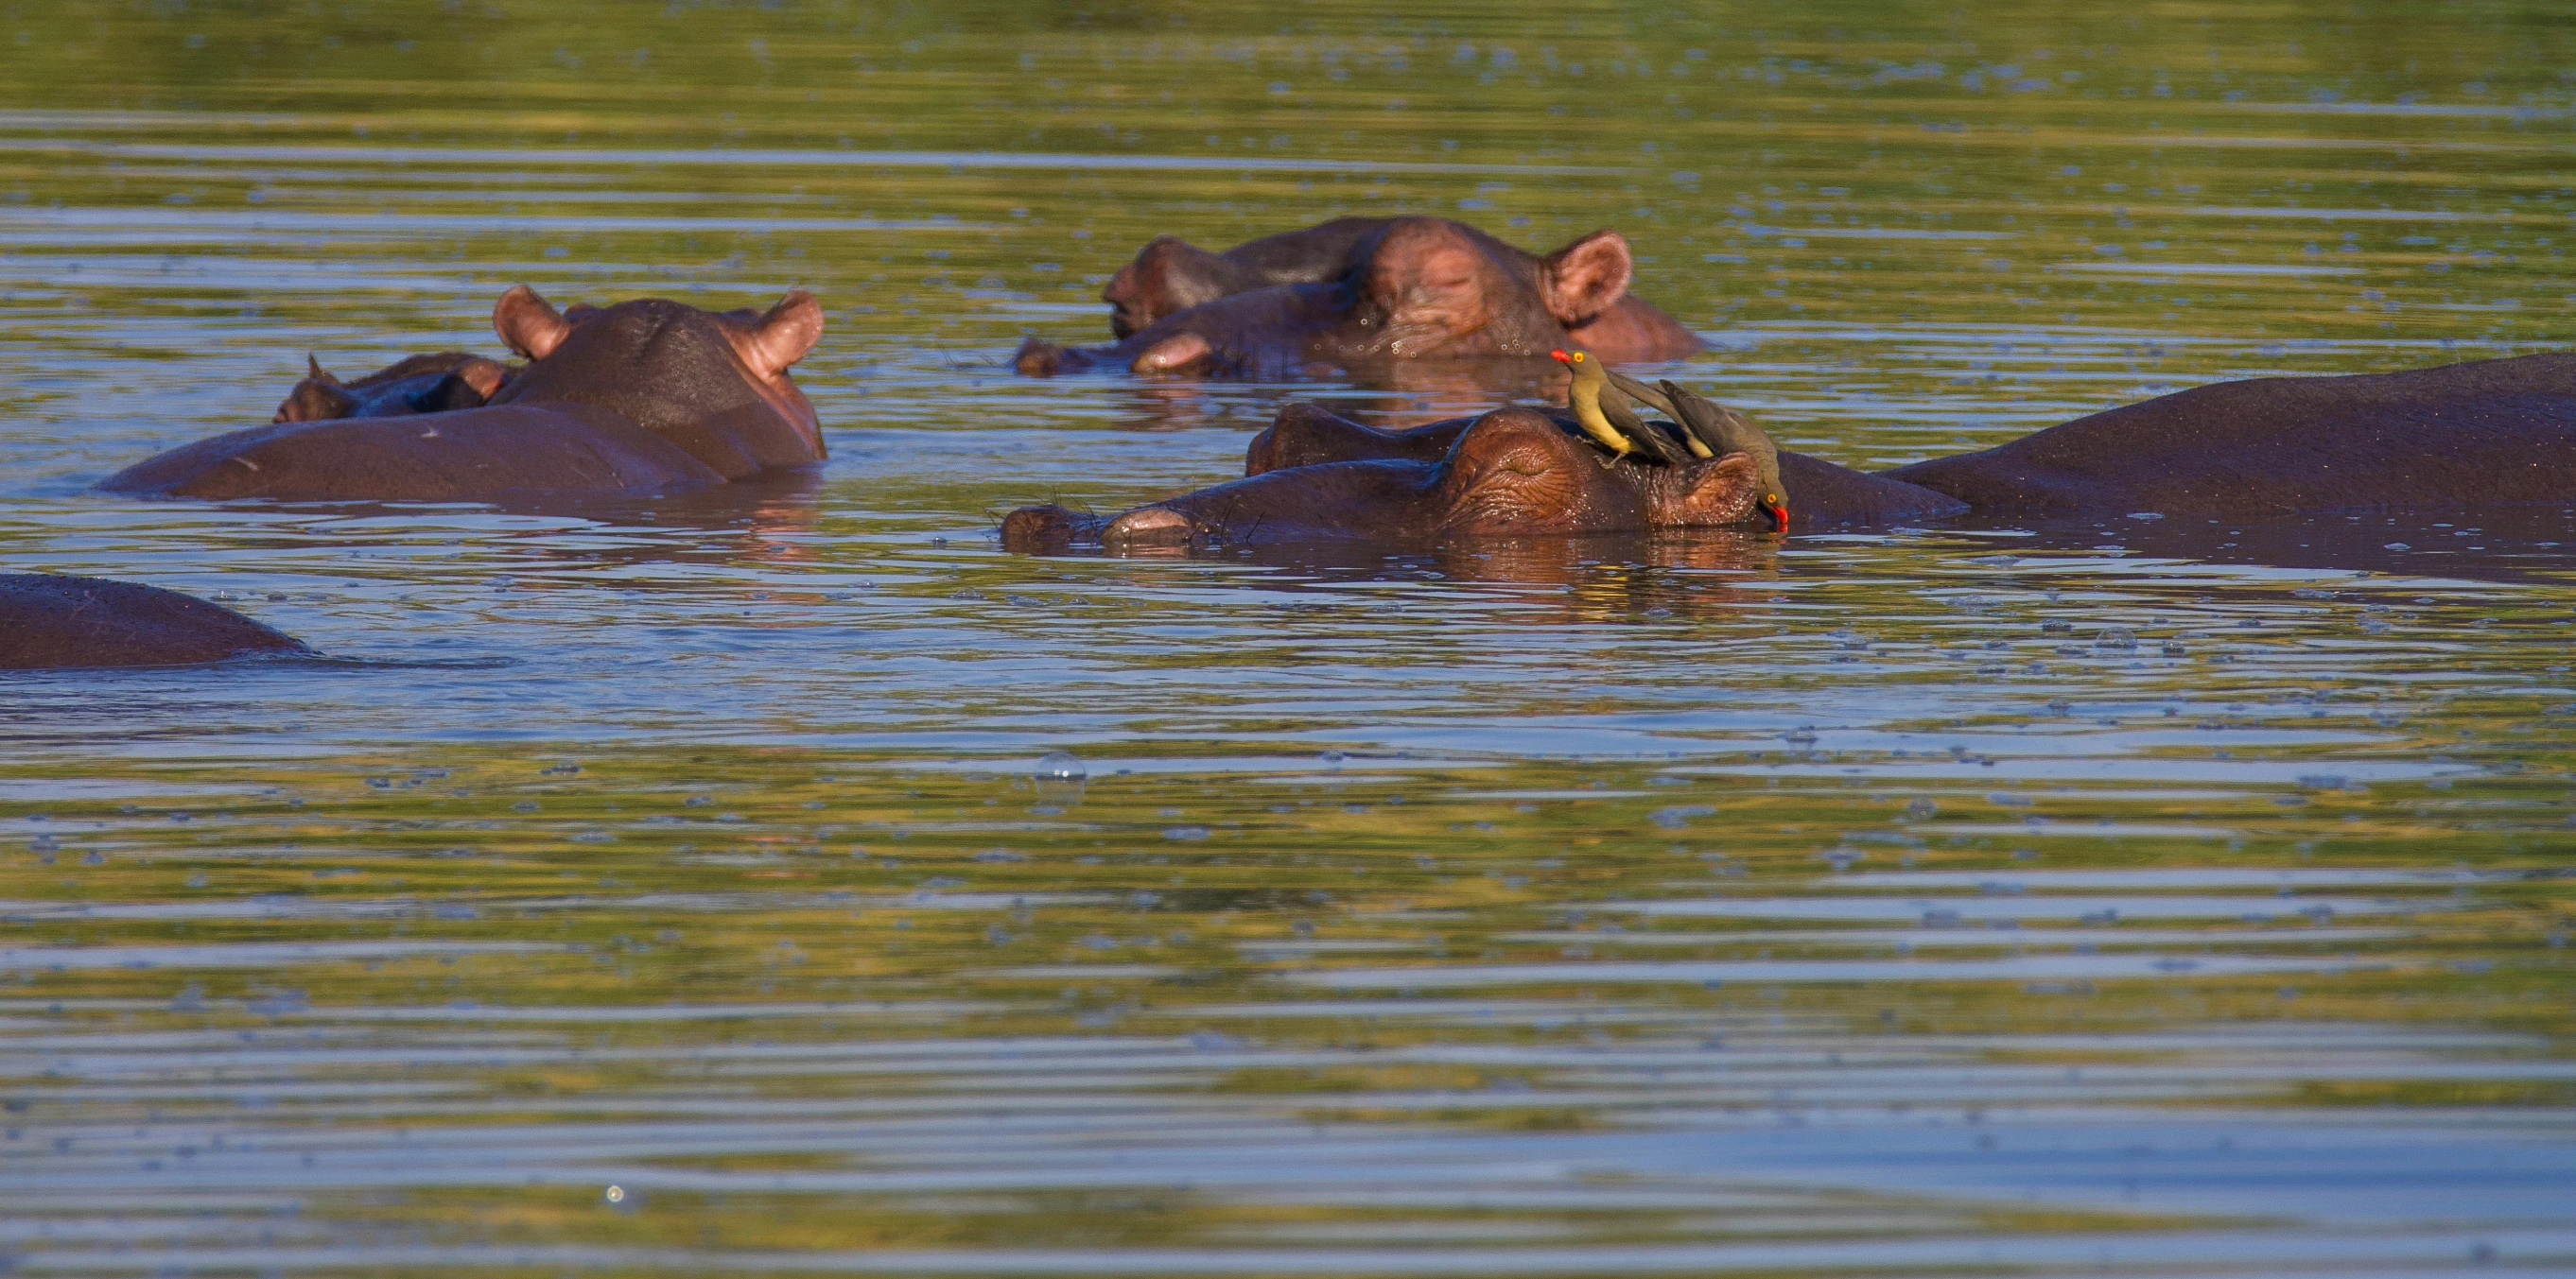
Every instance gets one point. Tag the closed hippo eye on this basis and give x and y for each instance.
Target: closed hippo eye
(1515, 471)
(1427, 285)
(1523, 491)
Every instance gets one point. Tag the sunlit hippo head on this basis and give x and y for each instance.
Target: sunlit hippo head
(1364, 291)
(695, 377)
(1512, 472)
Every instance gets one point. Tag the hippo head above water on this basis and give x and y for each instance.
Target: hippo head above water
(1513, 472)
(1364, 291)
(715, 383)
(440, 383)
(642, 395)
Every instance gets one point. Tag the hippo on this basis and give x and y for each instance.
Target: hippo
(55, 622)
(645, 395)
(2493, 432)
(439, 383)
(1368, 291)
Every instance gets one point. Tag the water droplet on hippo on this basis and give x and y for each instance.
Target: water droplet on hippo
(1061, 766)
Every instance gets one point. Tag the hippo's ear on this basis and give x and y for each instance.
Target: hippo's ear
(1587, 277)
(1170, 274)
(316, 399)
(528, 324)
(1712, 494)
(783, 336)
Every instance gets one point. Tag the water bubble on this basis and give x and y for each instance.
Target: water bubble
(1061, 766)
(2113, 637)
(615, 1194)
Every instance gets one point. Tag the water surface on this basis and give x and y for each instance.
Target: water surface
(675, 886)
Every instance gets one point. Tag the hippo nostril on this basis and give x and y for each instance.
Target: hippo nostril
(1149, 526)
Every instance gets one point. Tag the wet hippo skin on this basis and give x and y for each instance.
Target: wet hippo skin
(50, 622)
(1511, 472)
(643, 395)
(2493, 433)
(1364, 290)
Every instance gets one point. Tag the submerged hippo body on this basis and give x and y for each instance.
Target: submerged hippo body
(1368, 291)
(2497, 432)
(643, 395)
(52, 622)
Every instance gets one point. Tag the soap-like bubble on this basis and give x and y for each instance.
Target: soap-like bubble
(1061, 766)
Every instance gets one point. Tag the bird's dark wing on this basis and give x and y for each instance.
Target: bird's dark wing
(1723, 431)
(1623, 415)
(1640, 392)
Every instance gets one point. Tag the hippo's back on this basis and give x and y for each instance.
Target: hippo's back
(2490, 432)
(463, 455)
(53, 622)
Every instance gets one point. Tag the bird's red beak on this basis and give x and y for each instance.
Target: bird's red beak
(1779, 513)
(1560, 357)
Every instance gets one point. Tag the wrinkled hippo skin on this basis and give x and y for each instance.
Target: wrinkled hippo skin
(1511, 472)
(440, 383)
(1364, 291)
(50, 622)
(2498, 432)
(643, 395)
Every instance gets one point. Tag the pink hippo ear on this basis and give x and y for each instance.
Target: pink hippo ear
(783, 336)
(1587, 277)
(528, 324)
(485, 376)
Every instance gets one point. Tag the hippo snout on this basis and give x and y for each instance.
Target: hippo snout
(1152, 526)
